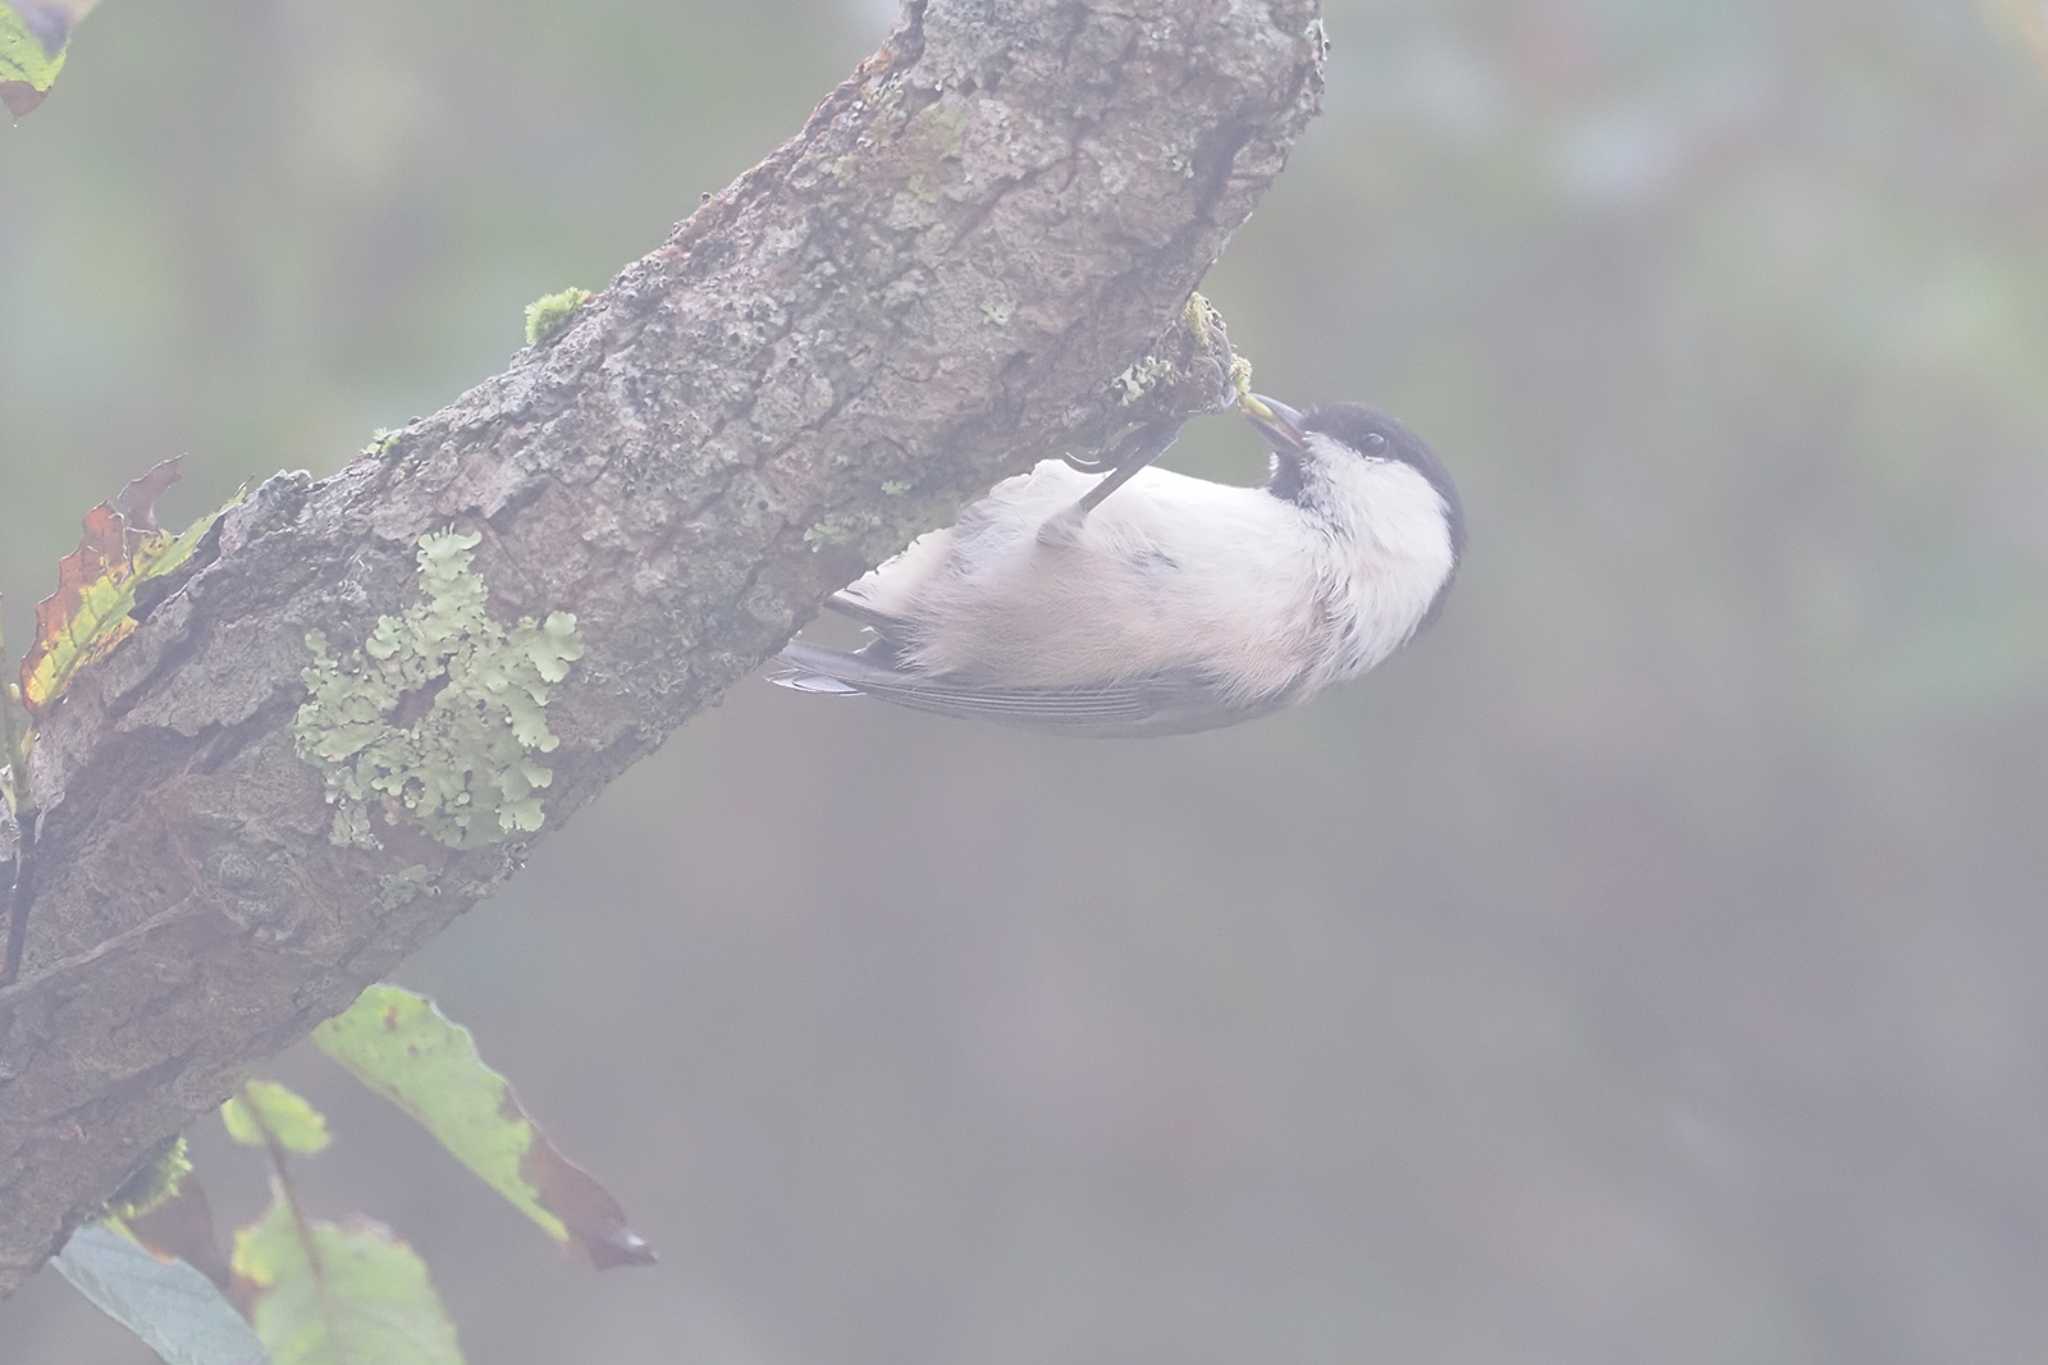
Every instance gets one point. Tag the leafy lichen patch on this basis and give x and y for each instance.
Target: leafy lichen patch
(438, 717)
(1140, 378)
(874, 534)
(1211, 348)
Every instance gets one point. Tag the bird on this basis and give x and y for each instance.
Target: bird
(1177, 606)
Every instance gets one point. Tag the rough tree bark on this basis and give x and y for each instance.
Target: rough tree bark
(929, 287)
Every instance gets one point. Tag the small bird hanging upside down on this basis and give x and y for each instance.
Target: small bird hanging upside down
(1178, 605)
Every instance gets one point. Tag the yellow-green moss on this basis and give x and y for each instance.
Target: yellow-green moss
(549, 314)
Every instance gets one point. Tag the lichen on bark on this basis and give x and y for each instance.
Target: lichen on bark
(436, 718)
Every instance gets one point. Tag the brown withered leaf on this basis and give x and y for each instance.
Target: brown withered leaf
(587, 1209)
(88, 616)
(402, 1046)
(137, 499)
(20, 97)
(181, 1229)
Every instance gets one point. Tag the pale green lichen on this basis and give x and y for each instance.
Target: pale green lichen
(403, 887)
(841, 528)
(549, 314)
(883, 532)
(1203, 318)
(1140, 378)
(1206, 321)
(1241, 376)
(1147, 374)
(933, 135)
(939, 130)
(437, 717)
(381, 440)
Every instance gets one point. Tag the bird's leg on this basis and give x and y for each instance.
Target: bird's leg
(1139, 448)
(1118, 477)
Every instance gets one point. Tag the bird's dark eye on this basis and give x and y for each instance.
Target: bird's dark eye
(1374, 443)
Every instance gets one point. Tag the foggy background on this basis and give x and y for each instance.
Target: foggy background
(1646, 966)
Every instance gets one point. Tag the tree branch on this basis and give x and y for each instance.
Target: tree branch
(926, 289)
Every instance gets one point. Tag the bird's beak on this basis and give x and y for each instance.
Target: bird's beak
(1279, 423)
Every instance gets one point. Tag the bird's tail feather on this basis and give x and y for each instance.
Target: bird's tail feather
(811, 669)
(815, 684)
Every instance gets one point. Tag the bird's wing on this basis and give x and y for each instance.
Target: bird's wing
(1156, 705)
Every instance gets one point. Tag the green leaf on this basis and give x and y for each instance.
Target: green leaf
(175, 1310)
(264, 1110)
(155, 1183)
(32, 47)
(402, 1046)
(88, 616)
(326, 1294)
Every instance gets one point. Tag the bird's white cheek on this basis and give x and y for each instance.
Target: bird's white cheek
(1402, 547)
(1404, 516)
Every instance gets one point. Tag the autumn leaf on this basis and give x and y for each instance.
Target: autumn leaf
(322, 1293)
(88, 616)
(33, 34)
(402, 1046)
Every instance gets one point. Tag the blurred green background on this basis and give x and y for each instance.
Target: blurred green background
(1647, 966)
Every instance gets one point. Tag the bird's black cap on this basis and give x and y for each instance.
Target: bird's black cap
(1372, 433)
(1368, 431)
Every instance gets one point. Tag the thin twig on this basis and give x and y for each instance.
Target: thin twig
(280, 1172)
